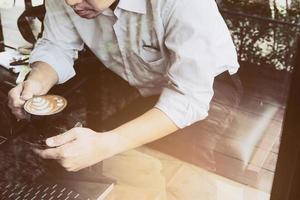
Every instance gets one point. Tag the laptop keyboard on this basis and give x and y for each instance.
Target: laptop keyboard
(37, 192)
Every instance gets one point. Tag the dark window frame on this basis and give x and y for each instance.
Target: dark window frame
(287, 175)
(1, 37)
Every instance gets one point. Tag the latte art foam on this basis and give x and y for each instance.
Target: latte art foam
(45, 105)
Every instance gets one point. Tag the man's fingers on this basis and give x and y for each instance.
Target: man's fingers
(20, 94)
(15, 103)
(19, 113)
(61, 139)
(54, 153)
(59, 153)
(14, 97)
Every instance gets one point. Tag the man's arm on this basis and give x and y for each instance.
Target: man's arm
(200, 48)
(79, 148)
(150, 126)
(60, 42)
(44, 74)
(52, 58)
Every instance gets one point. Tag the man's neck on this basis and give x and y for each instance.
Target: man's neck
(114, 5)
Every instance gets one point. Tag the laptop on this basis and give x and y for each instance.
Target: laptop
(59, 189)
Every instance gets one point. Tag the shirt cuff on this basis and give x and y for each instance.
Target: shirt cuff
(182, 111)
(47, 52)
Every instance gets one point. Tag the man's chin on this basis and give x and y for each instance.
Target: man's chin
(88, 14)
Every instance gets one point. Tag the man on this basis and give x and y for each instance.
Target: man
(173, 48)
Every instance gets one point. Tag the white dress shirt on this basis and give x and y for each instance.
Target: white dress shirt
(174, 48)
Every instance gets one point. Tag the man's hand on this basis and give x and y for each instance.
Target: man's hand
(79, 148)
(20, 94)
(40, 80)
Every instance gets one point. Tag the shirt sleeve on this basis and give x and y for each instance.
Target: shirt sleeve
(200, 48)
(60, 42)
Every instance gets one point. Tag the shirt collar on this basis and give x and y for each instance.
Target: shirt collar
(138, 6)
